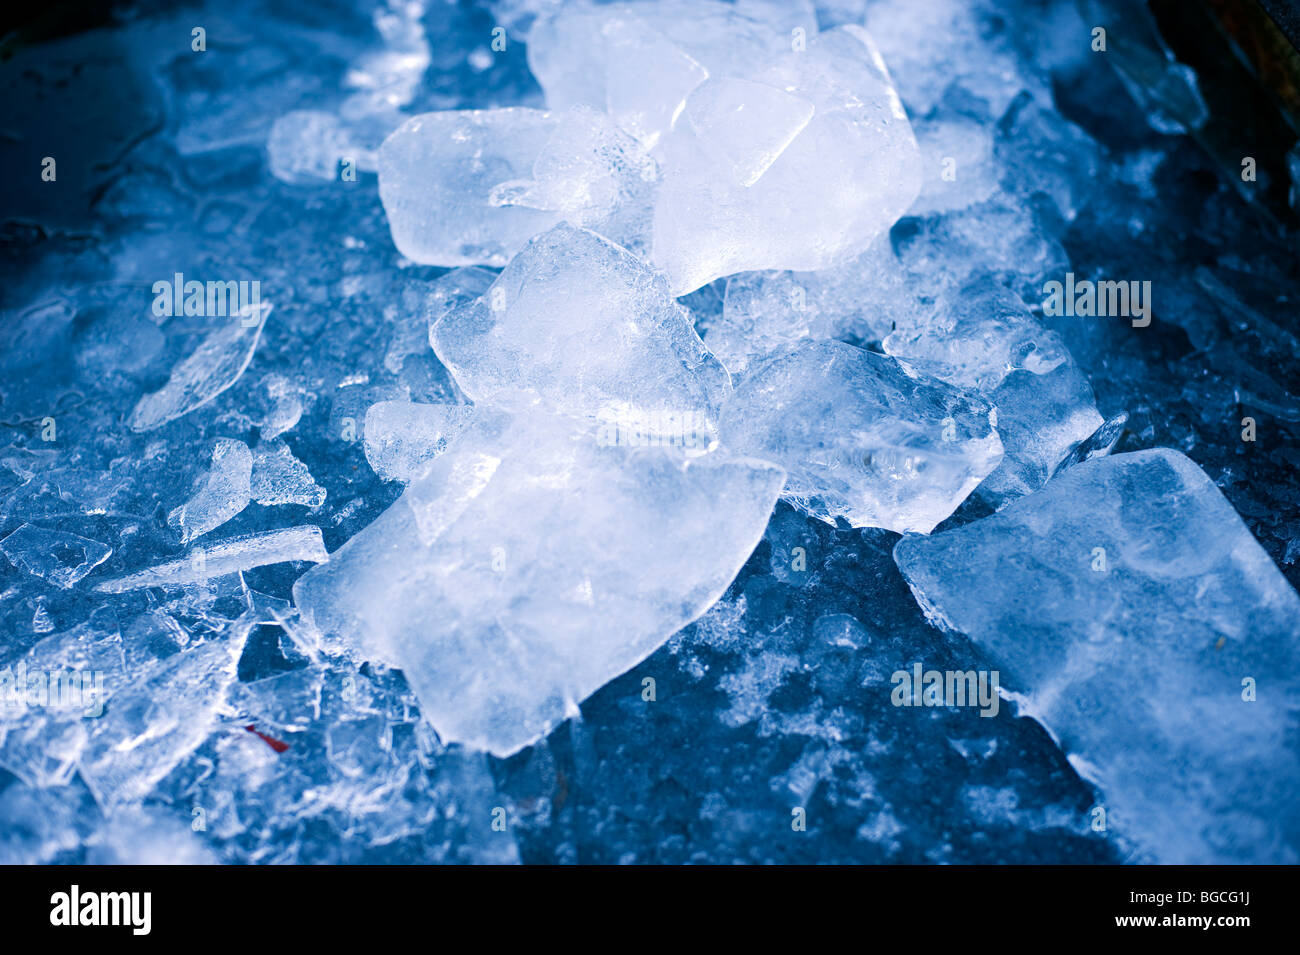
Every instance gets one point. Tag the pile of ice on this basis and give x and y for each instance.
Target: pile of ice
(880, 383)
(746, 253)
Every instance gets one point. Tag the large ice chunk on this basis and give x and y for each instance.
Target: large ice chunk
(1151, 634)
(436, 175)
(861, 439)
(833, 186)
(640, 61)
(548, 575)
(578, 325)
(745, 125)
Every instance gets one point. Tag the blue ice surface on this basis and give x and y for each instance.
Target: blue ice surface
(776, 701)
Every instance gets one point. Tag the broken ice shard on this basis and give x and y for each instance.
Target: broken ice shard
(401, 437)
(471, 187)
(549, 575)
(227, 556)
(212, 368)
(860, 439)
(1146, 628)
(222, 493)
(579, 326)
(280, 478)
(776, 190)
(60, 558)
(152, 724)
(982, 337)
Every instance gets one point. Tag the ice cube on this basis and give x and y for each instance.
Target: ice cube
(861, 301)
(579, 326)
(745, 125)
(437, 172)
(470, 187)
(983, 338)
(842, 180)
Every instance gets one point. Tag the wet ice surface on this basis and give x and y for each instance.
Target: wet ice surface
(409, 435)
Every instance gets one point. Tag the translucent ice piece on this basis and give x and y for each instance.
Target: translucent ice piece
(590, 173)
(151, 725)
(48, 698)
(860, 439)
(280, 478)
(212, 368)
(1039, 151)
(222, 493)
(745, 125)
(958, 167)
(527, 601)
(641, 60)
(1144, 626)
(54, 556)
(1005, 239)
(647, 78)
(401, 437)
(842, 181)
(1041, 420)
(975, 337)
(471, 187)
(227, 556)
(577, 325)
(861, 300)
(982, 337)
(436, 175)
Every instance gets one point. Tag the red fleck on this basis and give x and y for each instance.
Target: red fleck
(278, 745)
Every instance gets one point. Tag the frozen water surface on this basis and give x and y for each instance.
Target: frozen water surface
(610, 354)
